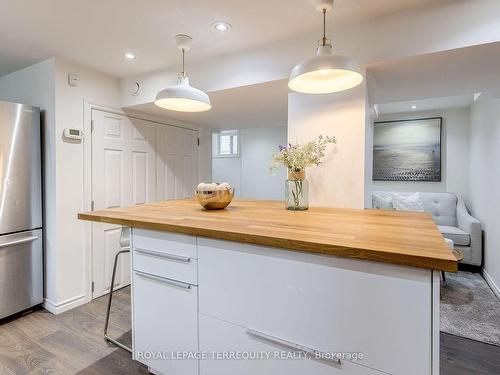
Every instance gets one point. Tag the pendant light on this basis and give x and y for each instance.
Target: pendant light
(325, 72)
(183, 97)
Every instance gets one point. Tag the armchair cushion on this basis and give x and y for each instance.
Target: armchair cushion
(442, 207)
(458, 236)
(382, 202)
(408, 202)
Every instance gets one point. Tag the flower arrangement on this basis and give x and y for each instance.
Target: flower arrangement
(297, 157)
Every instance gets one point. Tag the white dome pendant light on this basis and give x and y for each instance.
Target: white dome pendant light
(183, 97)
(325, 73)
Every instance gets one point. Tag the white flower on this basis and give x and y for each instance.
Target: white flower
(298, 157)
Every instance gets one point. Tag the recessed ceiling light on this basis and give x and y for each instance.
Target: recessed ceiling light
(130, 56)
(221, 26)
(413, 107)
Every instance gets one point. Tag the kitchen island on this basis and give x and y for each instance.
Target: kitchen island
(256, 289)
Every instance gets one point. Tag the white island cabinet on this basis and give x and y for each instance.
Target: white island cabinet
(227, 302)
(258, 290)
(165, 300)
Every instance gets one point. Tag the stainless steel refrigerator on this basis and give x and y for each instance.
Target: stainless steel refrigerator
(21, 234)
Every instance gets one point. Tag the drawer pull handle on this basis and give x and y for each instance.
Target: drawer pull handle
(19, 241)
(163, 280)
(294, 346)
(163, 255)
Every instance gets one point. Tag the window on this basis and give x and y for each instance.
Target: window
(225, 144)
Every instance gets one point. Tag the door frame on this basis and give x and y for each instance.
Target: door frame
(88, 107)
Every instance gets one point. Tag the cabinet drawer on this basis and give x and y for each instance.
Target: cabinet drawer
(328, 303)
(165, 316)
(170, 266)
(171, 243)
(217, 336)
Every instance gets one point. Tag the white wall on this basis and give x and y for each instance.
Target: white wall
(339, 181)
(485, 181)
(454, 151)
(249, 174)
(68, 259)
(205, 154)
(257, 147)
(228, 170)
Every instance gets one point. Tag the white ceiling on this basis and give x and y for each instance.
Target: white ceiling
(429, 104)
(261, 105)
(443, 74)
(97, 33)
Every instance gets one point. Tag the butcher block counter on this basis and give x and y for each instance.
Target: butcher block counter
(405, 238)
(257, 289)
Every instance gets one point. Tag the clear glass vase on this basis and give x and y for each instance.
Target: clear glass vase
(297, 191)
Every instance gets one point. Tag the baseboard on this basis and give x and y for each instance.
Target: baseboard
(492, 284)
(71, 303)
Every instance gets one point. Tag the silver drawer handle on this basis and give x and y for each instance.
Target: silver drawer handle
(164, 280)
(288, 344)
(163, 255)
(20, 241)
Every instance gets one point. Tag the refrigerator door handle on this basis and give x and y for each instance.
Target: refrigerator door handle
(19, 241)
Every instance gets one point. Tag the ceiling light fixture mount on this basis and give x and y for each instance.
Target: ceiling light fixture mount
(130, 56)
(325, 73)
(222, 26)
(183, 97)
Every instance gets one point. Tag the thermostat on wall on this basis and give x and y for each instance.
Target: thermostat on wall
(73, 133)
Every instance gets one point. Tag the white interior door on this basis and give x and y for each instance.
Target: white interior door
(177, 162)
(123, 174)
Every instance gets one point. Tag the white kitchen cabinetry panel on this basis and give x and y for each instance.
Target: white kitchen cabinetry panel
(171, 243)
(327, 303)
(165, 320)
(166, 265)
(218, 336)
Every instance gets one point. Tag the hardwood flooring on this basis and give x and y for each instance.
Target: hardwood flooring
(460, 356)
(72, 343)
(69, 343)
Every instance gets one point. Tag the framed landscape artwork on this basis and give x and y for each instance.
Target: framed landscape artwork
(407, 150)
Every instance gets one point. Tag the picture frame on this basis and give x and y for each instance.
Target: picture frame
(408, 150)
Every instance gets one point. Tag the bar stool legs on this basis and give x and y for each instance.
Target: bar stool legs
(124, 248)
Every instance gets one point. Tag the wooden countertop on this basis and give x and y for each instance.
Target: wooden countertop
(404, 238)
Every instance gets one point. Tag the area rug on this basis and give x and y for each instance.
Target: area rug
(469, 308)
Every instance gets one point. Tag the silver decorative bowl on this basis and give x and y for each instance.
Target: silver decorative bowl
(215, 199)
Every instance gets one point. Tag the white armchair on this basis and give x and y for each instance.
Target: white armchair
(472, 226)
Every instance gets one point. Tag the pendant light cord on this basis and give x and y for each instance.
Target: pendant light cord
(183, 70)
(324, 27)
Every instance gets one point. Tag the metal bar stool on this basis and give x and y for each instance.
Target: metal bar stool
(124, 248)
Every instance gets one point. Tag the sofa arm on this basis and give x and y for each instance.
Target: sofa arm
(472, 226)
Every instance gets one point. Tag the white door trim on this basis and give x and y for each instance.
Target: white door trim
(88, 106)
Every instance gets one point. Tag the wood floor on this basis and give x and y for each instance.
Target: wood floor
(72, 343)
(460, 356)
(69, 343)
